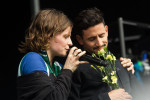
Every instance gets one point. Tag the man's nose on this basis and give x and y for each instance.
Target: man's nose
(99, 42)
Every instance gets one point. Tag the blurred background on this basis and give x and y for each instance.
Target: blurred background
(129, 33)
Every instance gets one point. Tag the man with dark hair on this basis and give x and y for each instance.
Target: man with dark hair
(91, 34)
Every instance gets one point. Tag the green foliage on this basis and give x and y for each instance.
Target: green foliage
(109, 72)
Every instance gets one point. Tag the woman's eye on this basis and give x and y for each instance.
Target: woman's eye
(66, 36)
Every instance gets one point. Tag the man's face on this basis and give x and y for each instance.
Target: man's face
(94, 38)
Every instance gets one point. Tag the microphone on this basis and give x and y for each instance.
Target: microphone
(93, 60)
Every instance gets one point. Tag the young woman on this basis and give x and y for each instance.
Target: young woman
(39, 77)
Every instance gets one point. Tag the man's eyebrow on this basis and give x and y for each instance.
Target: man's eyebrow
(102, 34)
(91, 37)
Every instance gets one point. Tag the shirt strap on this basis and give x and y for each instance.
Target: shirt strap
(19, 68)
(57, 67)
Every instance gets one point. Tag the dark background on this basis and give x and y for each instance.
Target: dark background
(16, 17)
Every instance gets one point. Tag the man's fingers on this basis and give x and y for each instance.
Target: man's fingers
(128, 96)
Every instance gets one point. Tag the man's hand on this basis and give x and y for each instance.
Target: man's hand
(119, 94)
(127, 63)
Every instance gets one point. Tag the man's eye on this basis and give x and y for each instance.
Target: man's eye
(102, 35)
(91, 39)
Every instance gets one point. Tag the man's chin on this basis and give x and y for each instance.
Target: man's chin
(95, 51)
(100, 48)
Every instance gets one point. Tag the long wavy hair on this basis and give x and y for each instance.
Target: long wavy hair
(44, 26)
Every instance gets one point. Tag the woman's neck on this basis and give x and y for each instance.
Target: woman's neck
(50, 56)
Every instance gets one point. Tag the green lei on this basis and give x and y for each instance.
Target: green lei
(56, 66)
(108, 72)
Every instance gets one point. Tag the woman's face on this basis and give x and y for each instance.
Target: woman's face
(59, 44)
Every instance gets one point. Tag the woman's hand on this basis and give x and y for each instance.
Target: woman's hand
(72, 60)
(127, 63)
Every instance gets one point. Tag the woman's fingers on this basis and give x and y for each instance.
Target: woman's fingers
(80, 54)
(72, 50)
(76, 52)
(83, 62)
(131, 68)
(72, 60)
(125, 60)
(127, 63)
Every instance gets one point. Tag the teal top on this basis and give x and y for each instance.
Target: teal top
(33, 61)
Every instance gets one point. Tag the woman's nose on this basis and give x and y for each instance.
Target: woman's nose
(70, 42)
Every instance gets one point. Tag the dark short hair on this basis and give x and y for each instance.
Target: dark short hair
(87, 18)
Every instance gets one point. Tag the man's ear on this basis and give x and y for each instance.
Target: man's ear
(106, 28)
(79, 39)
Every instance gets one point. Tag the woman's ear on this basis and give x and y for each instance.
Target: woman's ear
(79, 39)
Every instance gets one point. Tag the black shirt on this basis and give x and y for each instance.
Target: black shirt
(87, 83)
(39, 86)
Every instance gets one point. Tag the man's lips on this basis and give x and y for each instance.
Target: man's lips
(98, 48)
